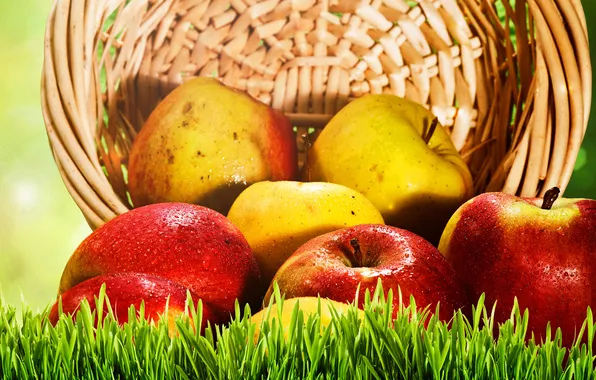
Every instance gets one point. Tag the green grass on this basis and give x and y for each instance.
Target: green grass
(373, 348)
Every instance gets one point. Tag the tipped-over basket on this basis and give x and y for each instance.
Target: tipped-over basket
(512, 83)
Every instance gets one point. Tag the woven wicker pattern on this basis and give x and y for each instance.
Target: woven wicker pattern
(516, 110)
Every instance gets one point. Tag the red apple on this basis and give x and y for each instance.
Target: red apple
(130, 289)
(507, 247)
(334, 264)
(191, 245)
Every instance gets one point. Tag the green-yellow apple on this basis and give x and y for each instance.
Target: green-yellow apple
(205, 143)
(131, 289)
(308, 306)
(278, 217)
(542, 253)
(396, 153)
(333, 265)
(188, 244)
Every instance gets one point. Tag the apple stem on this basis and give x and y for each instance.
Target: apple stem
(550, 197)
(431, 130)
(307, 145)
(357, 252)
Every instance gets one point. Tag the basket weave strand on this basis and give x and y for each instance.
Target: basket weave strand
(516, 108)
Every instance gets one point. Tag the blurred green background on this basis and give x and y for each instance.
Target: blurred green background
(40, 225)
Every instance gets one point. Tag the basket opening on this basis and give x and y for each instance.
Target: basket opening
(480, 66)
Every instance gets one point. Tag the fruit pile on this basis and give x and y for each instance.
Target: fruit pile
(223, 211)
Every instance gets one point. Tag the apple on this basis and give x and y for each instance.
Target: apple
(190, 245)
(205, 143)
(278, 217)
(308, 306)
(542, 251)
(396, 153)
(334, 264)
(131, 289)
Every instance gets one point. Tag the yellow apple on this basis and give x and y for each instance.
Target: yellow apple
(395, 153)
(278, 217)
(205, 143)
(308, 306)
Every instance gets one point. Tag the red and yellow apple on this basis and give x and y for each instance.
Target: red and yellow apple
(131, 289)
(333, 265)
(205, 143)
(187, 244)
(542, 253)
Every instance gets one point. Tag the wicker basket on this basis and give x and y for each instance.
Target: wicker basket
(516, 108)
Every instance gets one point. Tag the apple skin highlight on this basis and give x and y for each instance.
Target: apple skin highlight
(507, 247)
(326, 266)
(191, 245)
